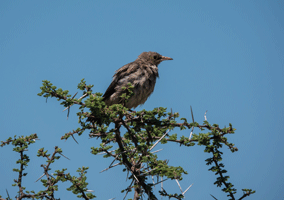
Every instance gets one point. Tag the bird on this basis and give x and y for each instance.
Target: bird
(142, 74)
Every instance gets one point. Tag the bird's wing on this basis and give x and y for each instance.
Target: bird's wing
(121, 73)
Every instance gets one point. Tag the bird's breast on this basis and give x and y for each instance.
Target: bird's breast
(144, 84)
(143, 79)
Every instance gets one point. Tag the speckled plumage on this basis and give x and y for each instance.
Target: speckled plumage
(141, 73)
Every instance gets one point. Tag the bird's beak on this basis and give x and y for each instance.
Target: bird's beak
(166, 58)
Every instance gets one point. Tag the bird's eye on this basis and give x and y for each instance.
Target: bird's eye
(155, 57)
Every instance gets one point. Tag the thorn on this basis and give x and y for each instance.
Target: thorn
(179, 185)
(70, 106)
(192, 114)
(205, 115)
(8, 194)
(74, 139)
(110, 167)
(39, 178)
(68, 112)
(148, 171)
(190, 135)
(213, 197)
(113, 161)
(127, 175)
(74, 95)
(161, 181)
(159, 140)
(153, 181)
(157, 151)
(78, 99)
(187, 189)
(64, 156)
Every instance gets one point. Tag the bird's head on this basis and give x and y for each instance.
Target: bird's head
(153, 57)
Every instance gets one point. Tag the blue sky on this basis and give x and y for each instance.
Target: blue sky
(228, 59)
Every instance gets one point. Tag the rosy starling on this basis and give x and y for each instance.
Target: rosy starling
(141, 73)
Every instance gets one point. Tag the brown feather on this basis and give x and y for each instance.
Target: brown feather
(142, 74)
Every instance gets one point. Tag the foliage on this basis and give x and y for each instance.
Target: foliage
(143, 131)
